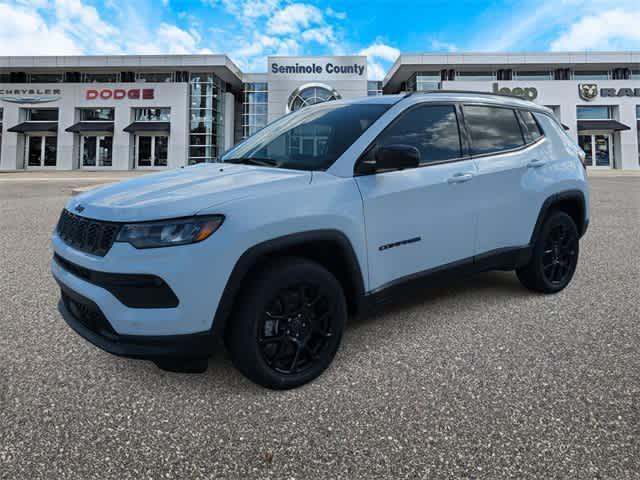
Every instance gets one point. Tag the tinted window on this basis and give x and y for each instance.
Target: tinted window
(533, 131)
(492, 129)
(433, 130)
(312, 138)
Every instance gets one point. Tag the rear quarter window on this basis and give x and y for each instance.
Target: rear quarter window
(531, 128)
(492, 129)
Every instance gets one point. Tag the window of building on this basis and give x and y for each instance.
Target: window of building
(155, 77)
(532, 130)
(591, 74)
(310, 95)
(423, 81)
(254, 107)
(594, 112)
(493, 129)
(97, 114)
(534, 75)
(634, 75)
(374, 88)
(42, 114)
(475, 76)
(102, 77)
(96, 150)
(433, 130)
(152, 114)
(46, 77)
(206, 124)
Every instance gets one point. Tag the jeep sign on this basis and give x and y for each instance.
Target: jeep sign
(528, 93)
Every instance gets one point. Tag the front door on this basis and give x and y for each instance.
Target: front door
(96, 151)
(151, 151)
(420, 218)
(598, 148)
(41, 151)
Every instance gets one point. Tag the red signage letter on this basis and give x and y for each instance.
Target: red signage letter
(106, 94)
(147, 93)
(119, 94)
(133, 94)
(92, 94)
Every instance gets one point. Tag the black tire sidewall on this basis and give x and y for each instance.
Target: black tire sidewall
(554, 219)
(243, 344)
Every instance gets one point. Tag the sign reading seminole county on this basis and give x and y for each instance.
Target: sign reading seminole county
(316, 69)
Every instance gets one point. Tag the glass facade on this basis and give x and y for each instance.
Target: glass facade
(97, 114)
(254, 107)
(534, 75)
(423, 81)
(591, 75)
(475, 76)
(206, 118)
(152, 114)
(42, 114)
(310, 95)
(374, 88)
(157, 77)
(594, 112)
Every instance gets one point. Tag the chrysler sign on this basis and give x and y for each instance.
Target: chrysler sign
(120, 94)
(30, 95)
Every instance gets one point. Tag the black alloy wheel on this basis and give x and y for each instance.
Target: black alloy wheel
(560, 254)
(296, 329)
(288, 325)
(554, 255)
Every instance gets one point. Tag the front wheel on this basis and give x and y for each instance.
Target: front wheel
(554, 257)
(289, 324)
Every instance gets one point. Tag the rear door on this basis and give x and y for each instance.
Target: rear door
(508, 156)
(420, 218)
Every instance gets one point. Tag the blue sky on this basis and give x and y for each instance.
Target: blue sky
(250, 30)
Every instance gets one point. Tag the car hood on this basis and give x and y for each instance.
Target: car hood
(182, 192)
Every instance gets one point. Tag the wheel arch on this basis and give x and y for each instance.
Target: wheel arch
(572, 202)
(330, 248)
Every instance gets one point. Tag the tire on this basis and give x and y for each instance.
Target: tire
(288, 325)
(554, 257)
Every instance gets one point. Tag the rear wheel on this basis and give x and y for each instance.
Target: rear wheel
(289, 324)
(554, 257)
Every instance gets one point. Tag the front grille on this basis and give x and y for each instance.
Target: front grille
(91, 236)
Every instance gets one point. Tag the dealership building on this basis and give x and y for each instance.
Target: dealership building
(155, 112)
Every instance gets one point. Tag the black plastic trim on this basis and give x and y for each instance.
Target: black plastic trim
(132, 289)
(195, 345)
(508, 258)
(555, 198)
(255, 254)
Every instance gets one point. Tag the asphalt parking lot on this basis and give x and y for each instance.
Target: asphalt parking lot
(478, 379)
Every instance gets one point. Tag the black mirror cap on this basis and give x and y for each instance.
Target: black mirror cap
(397, 157)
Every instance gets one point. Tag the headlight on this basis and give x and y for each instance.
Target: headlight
(170, 232)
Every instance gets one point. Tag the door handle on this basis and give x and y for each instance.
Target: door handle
(460, 177)
(536, 163)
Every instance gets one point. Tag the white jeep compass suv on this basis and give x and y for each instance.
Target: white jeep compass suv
(323, 213)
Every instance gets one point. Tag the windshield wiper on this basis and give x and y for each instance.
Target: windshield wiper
(263, 162)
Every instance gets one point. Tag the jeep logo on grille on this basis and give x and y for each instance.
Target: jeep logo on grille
(79, 208)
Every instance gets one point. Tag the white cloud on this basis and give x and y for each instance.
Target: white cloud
(614, 29)
(321, 35)
(443, 46)
(332, 13)
(293, 18)
(379, 57)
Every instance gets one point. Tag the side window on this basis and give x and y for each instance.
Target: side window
(432, 129)
(532, 129)
(493, 129)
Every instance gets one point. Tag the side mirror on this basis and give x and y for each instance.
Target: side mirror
(397, 157)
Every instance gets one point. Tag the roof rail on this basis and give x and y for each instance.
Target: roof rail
(473, 92)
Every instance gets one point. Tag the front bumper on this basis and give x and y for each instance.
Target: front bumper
(86, 319)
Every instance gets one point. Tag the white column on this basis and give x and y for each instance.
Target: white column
(11, 154)
(629, 138)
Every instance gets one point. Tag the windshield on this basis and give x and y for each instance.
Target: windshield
(310, 139)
